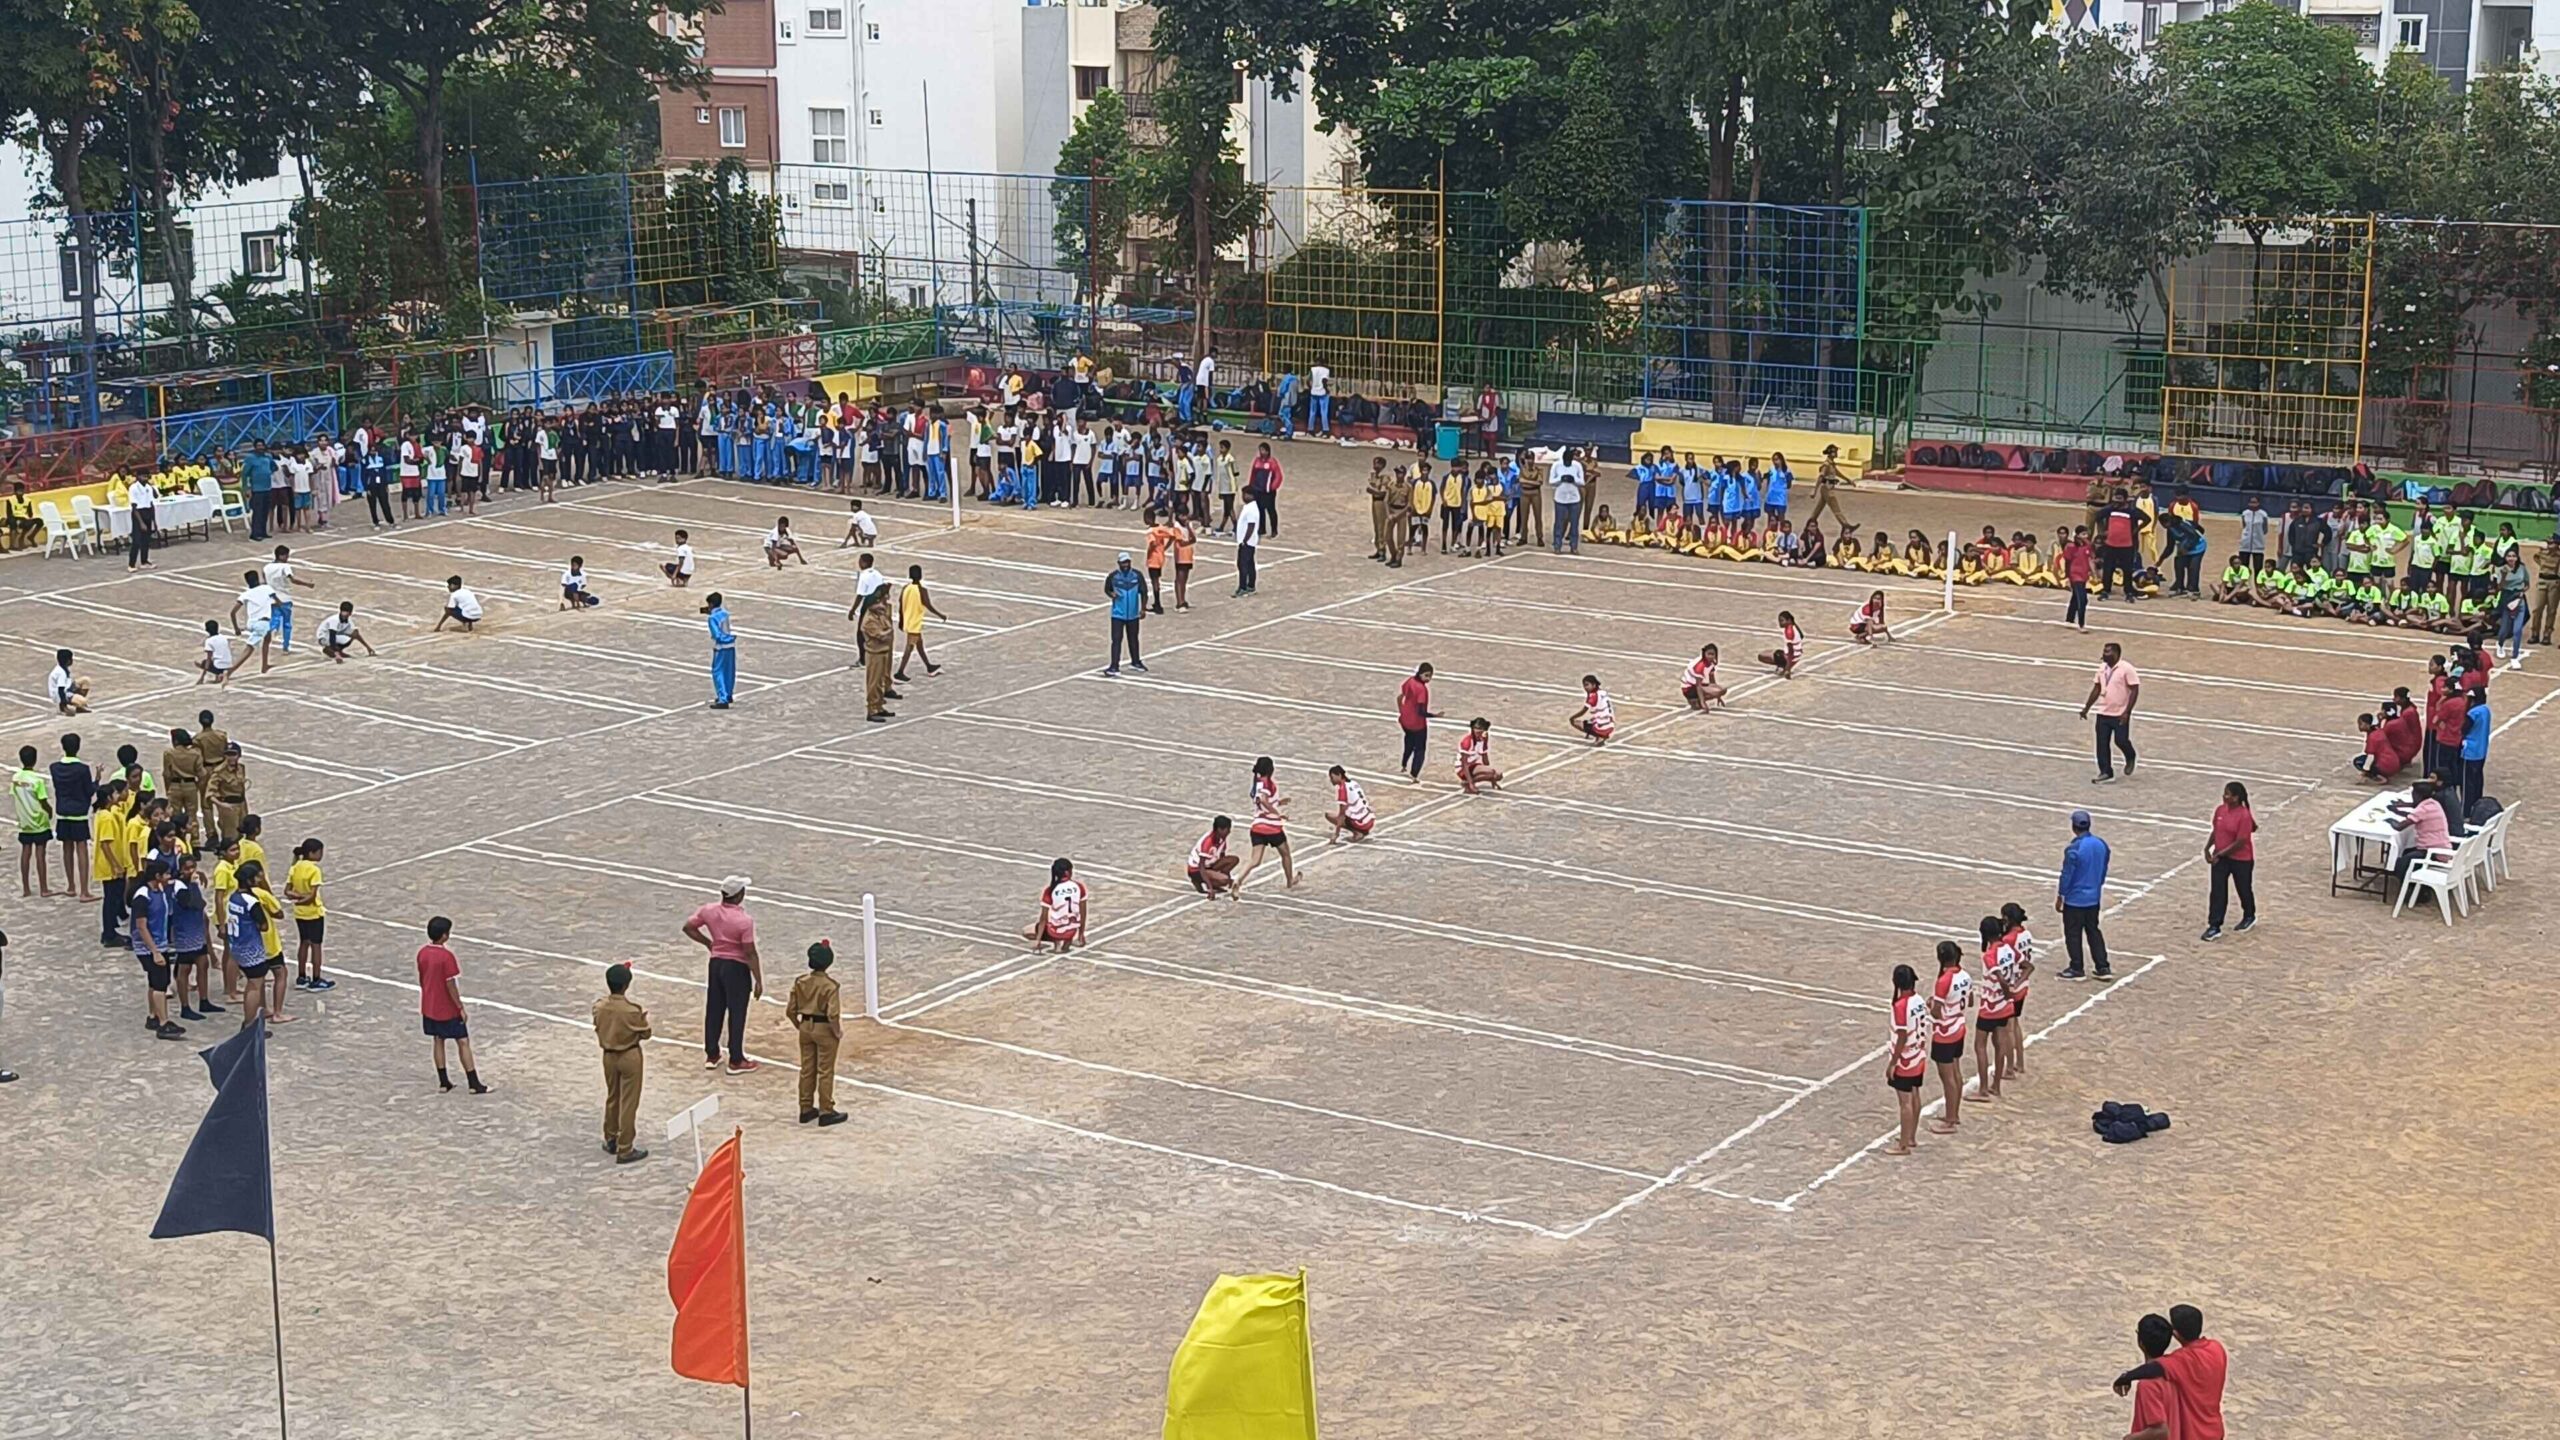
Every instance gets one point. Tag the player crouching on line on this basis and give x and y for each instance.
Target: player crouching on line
(1867, 625)
(1698, 687)
(1350, 813)
(1063, 908)
(1596, 717)
(1212, 870)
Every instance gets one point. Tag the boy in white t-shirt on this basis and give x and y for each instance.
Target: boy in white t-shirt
(460, 605)
(679, 571)
(218, 661)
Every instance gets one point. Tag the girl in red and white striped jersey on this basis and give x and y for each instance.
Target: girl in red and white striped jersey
(1269, 830)
(1790, 647)
(2023, 941)
(1906, 1064)
(1867, 625)
(1475, 758)
(1064, 910)
(1211, 869)
(1950, 1002)
(1350, 810)
(1698, 684)
(1597, 718)
(1991, 1020)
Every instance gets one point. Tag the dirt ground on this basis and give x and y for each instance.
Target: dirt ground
(1568, 1098)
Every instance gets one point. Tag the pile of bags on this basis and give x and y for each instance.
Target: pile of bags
(2119, 1123)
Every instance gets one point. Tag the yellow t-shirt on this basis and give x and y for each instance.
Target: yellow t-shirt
(1422, 497)
(106, 844)
(252, 850)
(305, 875)
(225, 882)
(911, 609)
(268, 909)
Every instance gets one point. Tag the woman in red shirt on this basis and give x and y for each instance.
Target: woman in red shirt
(1262, 487)
(2233, 852)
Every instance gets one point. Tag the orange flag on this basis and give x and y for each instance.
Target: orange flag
(707, 1274)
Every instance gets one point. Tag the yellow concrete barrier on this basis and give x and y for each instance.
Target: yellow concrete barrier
(1803, 448)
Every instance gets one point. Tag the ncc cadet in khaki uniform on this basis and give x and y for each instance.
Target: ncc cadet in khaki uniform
(621, 1026)
(182, 777)
(878, 639)
(1381, 485)
(211, 744)
(816, 1008)
(1531, 518)
(226, 794)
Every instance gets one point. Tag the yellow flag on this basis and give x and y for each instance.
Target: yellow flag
(1246, 1371)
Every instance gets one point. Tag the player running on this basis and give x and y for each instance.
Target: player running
(1350, 812)
(1064, 907)
(1270, 828)
(1597, 718)
(1698, 685)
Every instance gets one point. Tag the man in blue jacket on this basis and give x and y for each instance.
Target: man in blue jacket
(2080, 895)
(724, 652)
(1126, 589)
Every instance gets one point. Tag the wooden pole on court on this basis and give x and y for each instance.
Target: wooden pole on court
(870, 958)
(1949, 602)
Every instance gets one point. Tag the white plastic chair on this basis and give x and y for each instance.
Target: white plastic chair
(225, 508)
(58, 531)
(2493, 861)
(85, 514)
(2438, 870)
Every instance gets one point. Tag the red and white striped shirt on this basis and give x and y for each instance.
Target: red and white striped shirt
(1065, 900)
(1868, 615)
(1792, 639)
(1266, 806)
(1909, 1039)
(1474, 750)
(1702, 674)
(1954, 992)
(1355, 804)
(1211, 849)
(1603, 718)
(1999, 968)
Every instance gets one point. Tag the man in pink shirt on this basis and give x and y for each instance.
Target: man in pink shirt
(728, 932)
(2113, 693)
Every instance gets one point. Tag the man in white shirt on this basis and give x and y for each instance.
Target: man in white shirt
(339, 631)
(218, 661)
(679, 571)
(1248, 536)
(1320, 399)
(253, 618)
(69, 696)
(662, 455)
(281, 581)
(459, 604)
(143, 501)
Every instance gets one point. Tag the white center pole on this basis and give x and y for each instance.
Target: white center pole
(871, 957)
(1949, 603)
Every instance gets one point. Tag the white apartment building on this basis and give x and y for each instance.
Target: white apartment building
(2459, 38)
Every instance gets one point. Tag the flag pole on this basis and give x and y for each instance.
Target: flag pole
(746, 1390)
(275, 1298)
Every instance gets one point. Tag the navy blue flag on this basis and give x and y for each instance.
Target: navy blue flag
(225, 1182)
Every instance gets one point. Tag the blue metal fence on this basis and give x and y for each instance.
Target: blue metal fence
(274, 422)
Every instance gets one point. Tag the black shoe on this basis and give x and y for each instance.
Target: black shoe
(630, 1157)
(150, 1024)
(108, 940)
(877, 717)
(608, 1147)
(185, 1013)
(173, 1031)
(7, 1075)
(212, 1007)
(2105, 974)
(808, 1113)
(2075, 973)
(2211, 932)
(831, 1117)
(476, 1087)
(2247, 922)
(891, 695)
(444, 1082)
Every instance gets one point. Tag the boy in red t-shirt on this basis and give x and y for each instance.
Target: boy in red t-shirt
(2155, 1414)
(440, 1004)
(2079, 561)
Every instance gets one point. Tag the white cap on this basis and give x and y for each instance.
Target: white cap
(734, 886)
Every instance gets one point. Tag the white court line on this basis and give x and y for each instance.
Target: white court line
(1999, 746)
(1671, 663)
(2523, 715)
(2149, 672)
(2314, 652)
(1372, 715)
(579, 699)
(875, 1087)
(1561, 691)
(1938, 1106)
(2146, 713)
(980, 511)
(361, 775)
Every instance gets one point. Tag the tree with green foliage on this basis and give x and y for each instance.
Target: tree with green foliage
(1099, 170)
(2281, 109)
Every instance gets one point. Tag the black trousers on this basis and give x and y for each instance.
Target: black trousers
(2116, 730)
(145, 530)
(377, 503)
(1245, 571)
(2110, 563)
(1125, 629)
(2189, 571)
(111, 908)
(2079, 928)
(2226, 875)
(725, 1000)
(1415, 741)
(1270, 504)
(2077, 613)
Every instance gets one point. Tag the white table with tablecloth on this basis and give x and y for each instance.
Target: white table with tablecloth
(177, 512)
(2360, 837)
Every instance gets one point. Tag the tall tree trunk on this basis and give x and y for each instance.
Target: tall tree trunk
(177, 259)
(67, 158)
(1837, 183)
(1203, 255)
(302, 246)
(1724, 139)
(430, 120)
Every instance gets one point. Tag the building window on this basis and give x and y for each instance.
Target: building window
(262, 254)
(826, 19)
(1092, 80)
(157, 253)
(831, 192)
(733, 127)
(871, 31)
(878, 119)
(827, 137)
(2409, 32)
(70, 256)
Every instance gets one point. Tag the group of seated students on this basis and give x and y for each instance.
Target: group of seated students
(2359, 599)
(1988, 559)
